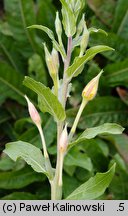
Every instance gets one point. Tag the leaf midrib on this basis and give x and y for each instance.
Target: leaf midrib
(11, 86)
(117, 72)
(90, 187)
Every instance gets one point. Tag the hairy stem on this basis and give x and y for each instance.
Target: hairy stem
(56, 86)
(46, 156)
(73, 129)
(69, 51)
(56, 184)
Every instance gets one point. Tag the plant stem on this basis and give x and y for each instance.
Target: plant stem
(56, 184)
(46, 156)
(73, 129)
(69, 51)
(56, 85)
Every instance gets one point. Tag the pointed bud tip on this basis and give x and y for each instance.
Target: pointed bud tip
(33, 112)
(91, 88)
(63, 142)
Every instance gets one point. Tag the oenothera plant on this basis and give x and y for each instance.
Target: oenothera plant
(54, 101)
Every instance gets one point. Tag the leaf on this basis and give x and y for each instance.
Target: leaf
(20, 196)
(90, 133)
(120, 180)
(10, 53)
(6, 163)
(103, 9)
(113, 40)
(19, 179)
(31, 154)
(69, 184)
(95, 30)
(4, 116)
(51, 36)
(10, 84)
(99, 111)
(69, 21)
(117, 73)
(48, 102)
(94, 187)
(37, 69)
(121, 144)
(46, 13)
(93, 149)
(77, 158)
(121, 14)
(80, 61)
(20, 14)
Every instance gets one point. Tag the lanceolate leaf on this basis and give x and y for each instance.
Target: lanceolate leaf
(31, 154)
(99, 111)
(48, 102)
(19, 179)
(90, 133)
(121, 14)
(69, 21)
(94, 187)
(94, 30)
(51, 36)
(20, 196)
(117, 73)
(20, 14)
(80, 61)
(10, 84)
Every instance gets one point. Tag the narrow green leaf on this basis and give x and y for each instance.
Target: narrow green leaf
(104, 10)
(51, 36)
(31, 154)
(80, 61)
(113, 40)
(20, 14)
(77, 158)
(90, 133)
(120, 15)
(117, 74)
(36, 64)
(10, 84)
(99, 111)
(94, 30)
(48, 102)
(94, 187)
(121, 144)
(6, 163)
(20, 196)
(19, 179)
(69, 21)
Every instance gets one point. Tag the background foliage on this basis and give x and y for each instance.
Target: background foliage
(21, 53)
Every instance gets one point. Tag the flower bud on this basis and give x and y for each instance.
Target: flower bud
(55, 58)
(81, 25)
(84, 40)
(58, 25)
(51, 61)
(63, 142)
(91, 88)
(33, 112)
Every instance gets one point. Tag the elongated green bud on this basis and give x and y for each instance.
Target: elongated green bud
(80, 26)
(51, 61)
(84, 40)
(91, 88)
(33, 112)
(55, 59)
(58, 25)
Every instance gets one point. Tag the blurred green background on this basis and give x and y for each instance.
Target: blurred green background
(21, 53)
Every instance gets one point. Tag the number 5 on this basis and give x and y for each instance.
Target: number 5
(121, 207)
